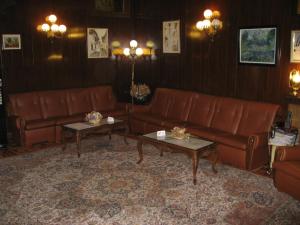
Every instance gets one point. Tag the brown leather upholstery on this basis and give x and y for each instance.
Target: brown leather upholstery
(223, 120)
(37, 116)
(287, 170)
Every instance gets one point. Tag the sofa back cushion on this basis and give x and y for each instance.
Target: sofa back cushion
(25, 105)
(256, 118)
(202, 109)
(79, 101)
(160, 102)
(179, 104)
(102, 98)
(54, 103)
(227, 115)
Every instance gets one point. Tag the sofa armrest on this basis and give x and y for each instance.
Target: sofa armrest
(138, 108)
(288, 154)
(17, 125)
(257, 150)
(258, 140)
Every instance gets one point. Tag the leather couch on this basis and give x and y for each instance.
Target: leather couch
(36, 117)
(239, 127)
(287, 170)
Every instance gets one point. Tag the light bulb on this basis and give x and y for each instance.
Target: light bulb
(295, 76)
(62, 28)
(45, 27)
(207, 13)
(54, 28)
(200, 25)
(126, 51)
(133, 43)
(139, 51)
(52, 18)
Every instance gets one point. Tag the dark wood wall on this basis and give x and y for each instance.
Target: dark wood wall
(209, 67)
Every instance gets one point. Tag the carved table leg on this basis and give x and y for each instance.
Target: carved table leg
(213, 165)
(126, 134)
(140, 150)
(195, 160)
(78, 142)
(63, 140)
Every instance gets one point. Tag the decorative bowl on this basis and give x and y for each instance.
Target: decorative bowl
(93, 117)
(179, 133)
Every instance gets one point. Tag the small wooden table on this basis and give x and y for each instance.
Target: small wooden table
(194, 147)
(82, 129)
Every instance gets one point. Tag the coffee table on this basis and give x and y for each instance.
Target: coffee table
(82, 129)
(194, 147)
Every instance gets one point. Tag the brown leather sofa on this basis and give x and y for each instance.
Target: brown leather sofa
(239, 127)
(36, 117)
(287, 170)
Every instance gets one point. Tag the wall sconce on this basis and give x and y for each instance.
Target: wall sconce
(294, 81)
(211, 24)
(51, 28)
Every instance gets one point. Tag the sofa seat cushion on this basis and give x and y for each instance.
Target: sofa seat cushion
(36, 124)
(204, 132)
(233, 140)
(70, 119)
(149, 117)
(291, 168)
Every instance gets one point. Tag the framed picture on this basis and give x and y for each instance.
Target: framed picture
(171, 36)
(295, 46)
(114, 8)
(258, 45)
(97, 43)
(11, 41)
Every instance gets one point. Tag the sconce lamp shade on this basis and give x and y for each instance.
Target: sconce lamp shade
(295, 81)
(207, 13)
(133, 44)
(126, 51)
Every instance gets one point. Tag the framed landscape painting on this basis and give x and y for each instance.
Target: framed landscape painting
(258, 45)
(11, 41)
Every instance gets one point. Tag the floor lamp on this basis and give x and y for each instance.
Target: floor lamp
(133, 52)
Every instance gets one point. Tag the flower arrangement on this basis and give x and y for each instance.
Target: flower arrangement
(93, 117)
(139, 91)
(179, 133)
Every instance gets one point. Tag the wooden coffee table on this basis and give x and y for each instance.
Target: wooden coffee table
(82, 129)
(194, 147)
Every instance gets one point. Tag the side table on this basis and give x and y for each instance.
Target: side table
(281, 138)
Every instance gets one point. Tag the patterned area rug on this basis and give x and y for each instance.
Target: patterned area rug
(106, 186)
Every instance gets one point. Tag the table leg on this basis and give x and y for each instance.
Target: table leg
(195, 160)
(140, 150)
(63, 140)
(78, 142)
(109, 133)
(126, 134)
(213, 165)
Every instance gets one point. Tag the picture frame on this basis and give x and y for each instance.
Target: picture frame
(258, 45)
(295, 46)
(171, 36)
(11, 41)
(97, 43)
(111, 8)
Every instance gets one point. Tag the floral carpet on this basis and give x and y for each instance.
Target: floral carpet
(105, 186)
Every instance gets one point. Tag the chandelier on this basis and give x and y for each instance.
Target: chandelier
(211, 24)
(51, 28)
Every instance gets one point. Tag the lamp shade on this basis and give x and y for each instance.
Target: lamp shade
(133, 43)
(126, 51)
(139, 51)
